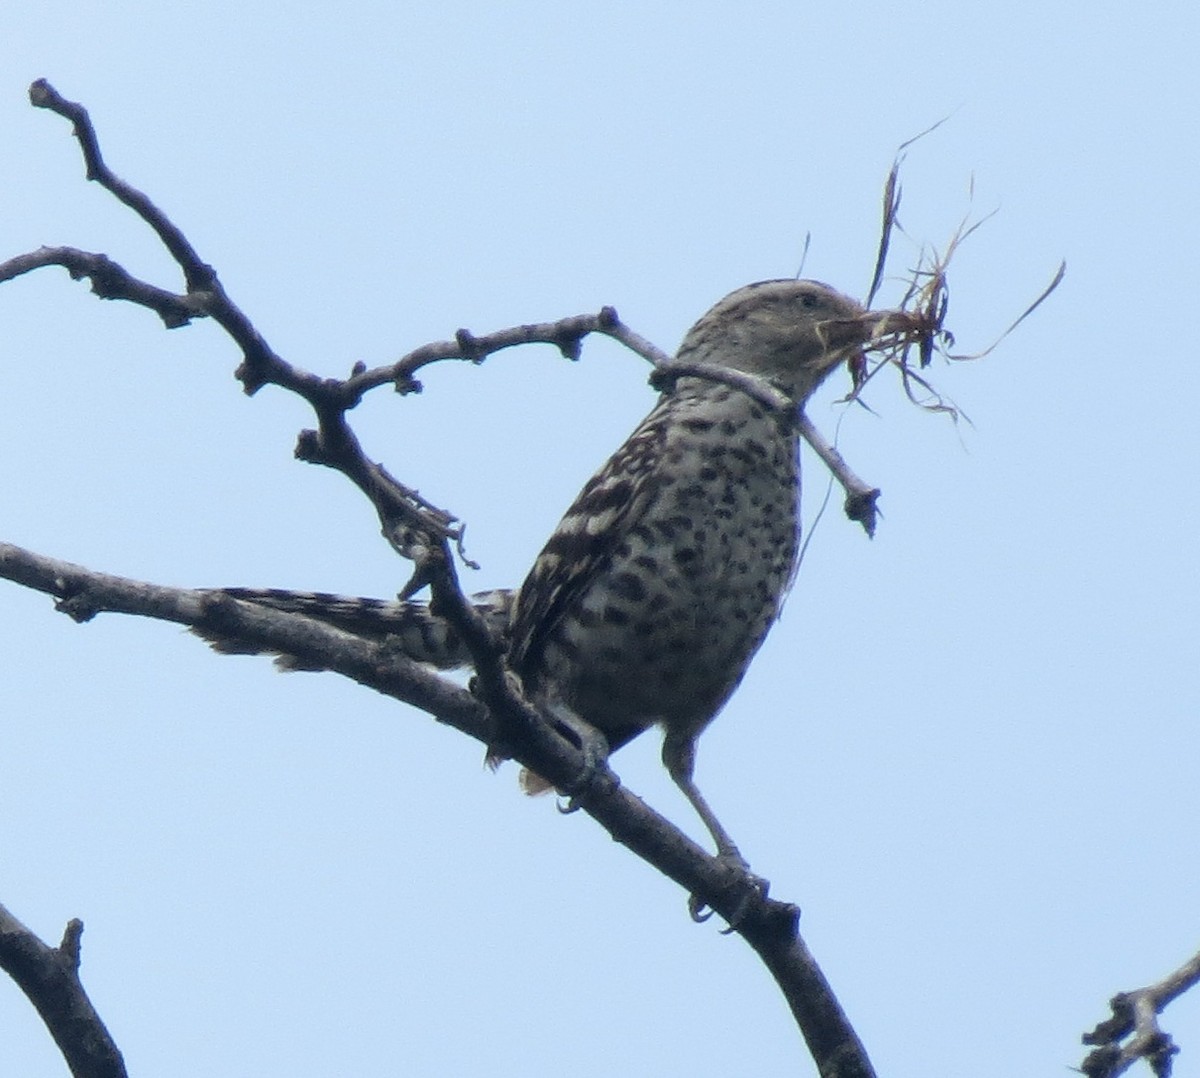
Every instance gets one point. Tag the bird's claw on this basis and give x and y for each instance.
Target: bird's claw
(573, 803)
(583, 783)
(592, 774)
(746, 889)
(698, 909)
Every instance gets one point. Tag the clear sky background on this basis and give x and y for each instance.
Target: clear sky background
(968, 751)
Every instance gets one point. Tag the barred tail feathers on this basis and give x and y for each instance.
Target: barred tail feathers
(421, 636)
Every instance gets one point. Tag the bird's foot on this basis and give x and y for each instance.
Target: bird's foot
(594, 774)
(593, 748)
(745, 889)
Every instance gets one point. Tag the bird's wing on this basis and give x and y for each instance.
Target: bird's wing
(582, 546)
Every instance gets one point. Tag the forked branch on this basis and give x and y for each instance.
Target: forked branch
(1133, 1032)
(496, 713)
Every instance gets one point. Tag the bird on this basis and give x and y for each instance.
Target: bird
(650, 599)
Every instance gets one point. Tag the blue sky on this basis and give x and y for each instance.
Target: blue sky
(968, 749)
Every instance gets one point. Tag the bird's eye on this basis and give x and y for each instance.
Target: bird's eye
(808, 300)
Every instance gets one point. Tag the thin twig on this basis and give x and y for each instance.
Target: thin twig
(860, 496)
(198, 275)
(1135, 1021)
(109, 281)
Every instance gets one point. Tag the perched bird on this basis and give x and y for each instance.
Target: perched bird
(659, 585)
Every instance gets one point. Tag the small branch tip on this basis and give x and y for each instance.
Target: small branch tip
(69, 948)
(468, 345)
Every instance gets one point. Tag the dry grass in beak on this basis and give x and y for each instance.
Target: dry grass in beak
(909, 336)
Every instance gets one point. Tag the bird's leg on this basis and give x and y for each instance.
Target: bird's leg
(593, 747)
(679, 757)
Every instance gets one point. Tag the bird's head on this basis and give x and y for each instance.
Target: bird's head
(790, 332)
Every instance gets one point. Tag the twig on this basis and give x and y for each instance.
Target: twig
(109, 281)
(1135, 1016)
(860, 497)
(199, 276)
(204, 290)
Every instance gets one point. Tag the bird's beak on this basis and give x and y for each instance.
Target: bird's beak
(864, 327)
(843, 336)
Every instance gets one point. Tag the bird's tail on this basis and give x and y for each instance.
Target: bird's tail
(418, 633)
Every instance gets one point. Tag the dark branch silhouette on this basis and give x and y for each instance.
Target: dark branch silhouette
(1133, 1033)
(49, 976)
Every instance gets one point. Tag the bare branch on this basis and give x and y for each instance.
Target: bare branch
(49, 977)
(1135, 1021)
(198, 275)
(260, 363)
(860, 496)
(109, 281)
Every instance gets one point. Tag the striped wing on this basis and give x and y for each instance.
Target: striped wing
(582, 546)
